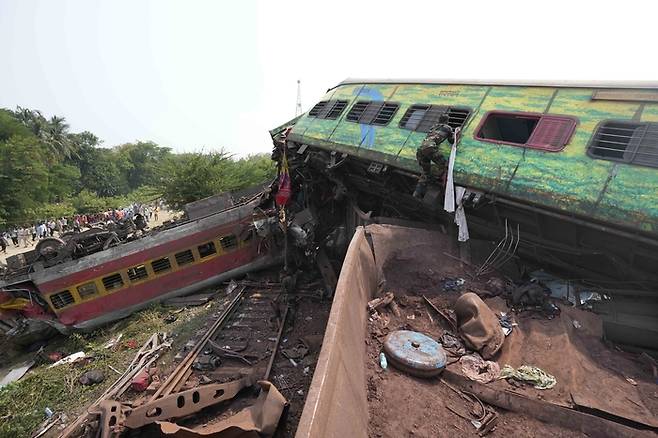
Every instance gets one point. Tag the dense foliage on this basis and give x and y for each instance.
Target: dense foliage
(48, 171)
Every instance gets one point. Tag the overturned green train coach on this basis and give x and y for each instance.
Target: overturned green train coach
(572, 166)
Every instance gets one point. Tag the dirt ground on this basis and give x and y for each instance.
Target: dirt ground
(403, 406)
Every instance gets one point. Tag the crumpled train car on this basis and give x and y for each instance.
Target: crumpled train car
(571, 167)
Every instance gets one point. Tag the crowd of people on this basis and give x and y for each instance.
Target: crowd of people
(27, 234)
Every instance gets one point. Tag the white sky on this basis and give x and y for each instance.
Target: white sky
(194, 74)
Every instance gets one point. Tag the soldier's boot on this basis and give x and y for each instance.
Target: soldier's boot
(421, 188)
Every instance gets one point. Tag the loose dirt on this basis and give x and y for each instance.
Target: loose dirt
(404, 406)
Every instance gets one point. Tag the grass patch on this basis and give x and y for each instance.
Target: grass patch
(22, 403)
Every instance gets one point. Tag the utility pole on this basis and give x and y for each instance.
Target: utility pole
(298, 108)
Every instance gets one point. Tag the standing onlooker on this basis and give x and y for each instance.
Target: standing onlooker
(14, 236)
(3, 243)
(22, 237)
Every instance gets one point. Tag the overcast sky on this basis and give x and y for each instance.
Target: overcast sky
(194, 74)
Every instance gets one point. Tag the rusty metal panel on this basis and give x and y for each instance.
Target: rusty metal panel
(336, 406)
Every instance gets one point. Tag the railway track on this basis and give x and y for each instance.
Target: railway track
(237, 351)
(242, 341)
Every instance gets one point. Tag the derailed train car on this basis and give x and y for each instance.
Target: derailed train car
(572, 166)
(82, 293)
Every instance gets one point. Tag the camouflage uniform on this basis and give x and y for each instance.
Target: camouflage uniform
(428, 151)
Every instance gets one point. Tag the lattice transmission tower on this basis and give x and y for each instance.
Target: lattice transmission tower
(298, 107)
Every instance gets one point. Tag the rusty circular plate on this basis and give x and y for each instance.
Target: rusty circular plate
(415, 353)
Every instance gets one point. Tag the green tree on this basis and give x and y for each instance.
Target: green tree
(193, 176)
(145, 160)
(23, 179)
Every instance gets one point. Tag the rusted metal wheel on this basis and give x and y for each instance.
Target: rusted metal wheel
(49, 247)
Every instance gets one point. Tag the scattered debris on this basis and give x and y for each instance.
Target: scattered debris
(476, 368)
(506, 322)
(54, 356)
(478, 325)
(69, 359)
(16, 373)
(576, 324)
(382, 361)
(146, 355)
(113, 342)
(529, 374)
(297, 352)
(130, 344)
(92, 377)
(414, 353)
(189, 300)
(452, 344)
(453, 284)
(631, 381)
(260, 419)
(387, 300)
(141, 381)
(447, 315)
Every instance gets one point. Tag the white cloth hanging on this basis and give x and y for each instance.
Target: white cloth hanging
(460, 215)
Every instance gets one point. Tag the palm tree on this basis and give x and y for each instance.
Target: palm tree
(53, 133)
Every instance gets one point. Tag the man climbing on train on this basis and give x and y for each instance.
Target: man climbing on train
(428, 152)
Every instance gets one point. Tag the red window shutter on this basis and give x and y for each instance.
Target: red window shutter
(552, 133)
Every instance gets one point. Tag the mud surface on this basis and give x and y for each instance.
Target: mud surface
(401, 405)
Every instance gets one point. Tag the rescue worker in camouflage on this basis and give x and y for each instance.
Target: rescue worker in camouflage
(428, 152)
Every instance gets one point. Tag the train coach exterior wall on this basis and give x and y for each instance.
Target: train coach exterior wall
(570, 181)
(336, 405)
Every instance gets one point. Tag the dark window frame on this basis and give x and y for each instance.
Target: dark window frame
(161, 265)
(58, 301)
(317, 108)
(328, 109)
(86, 294)
(568, 136)
(372, 112)
(427, 116)
(591, 146)
(187, 256)
(140, 271)
(209, 244)
(228, 242)
(111, 283)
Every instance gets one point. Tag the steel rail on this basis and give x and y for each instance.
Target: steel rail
(182, 371)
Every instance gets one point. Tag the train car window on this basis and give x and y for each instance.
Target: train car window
(422, 118)
(161, 265)
(61, 299)
(184, 257)
(207, 249)
(246, 237)
(87, 290)
(538, 131)
(372, 113)
(137, 273)
(336, 110)
(317, 108)
(328, 109)
(228, 242)
(627, 142)
(112, 282)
